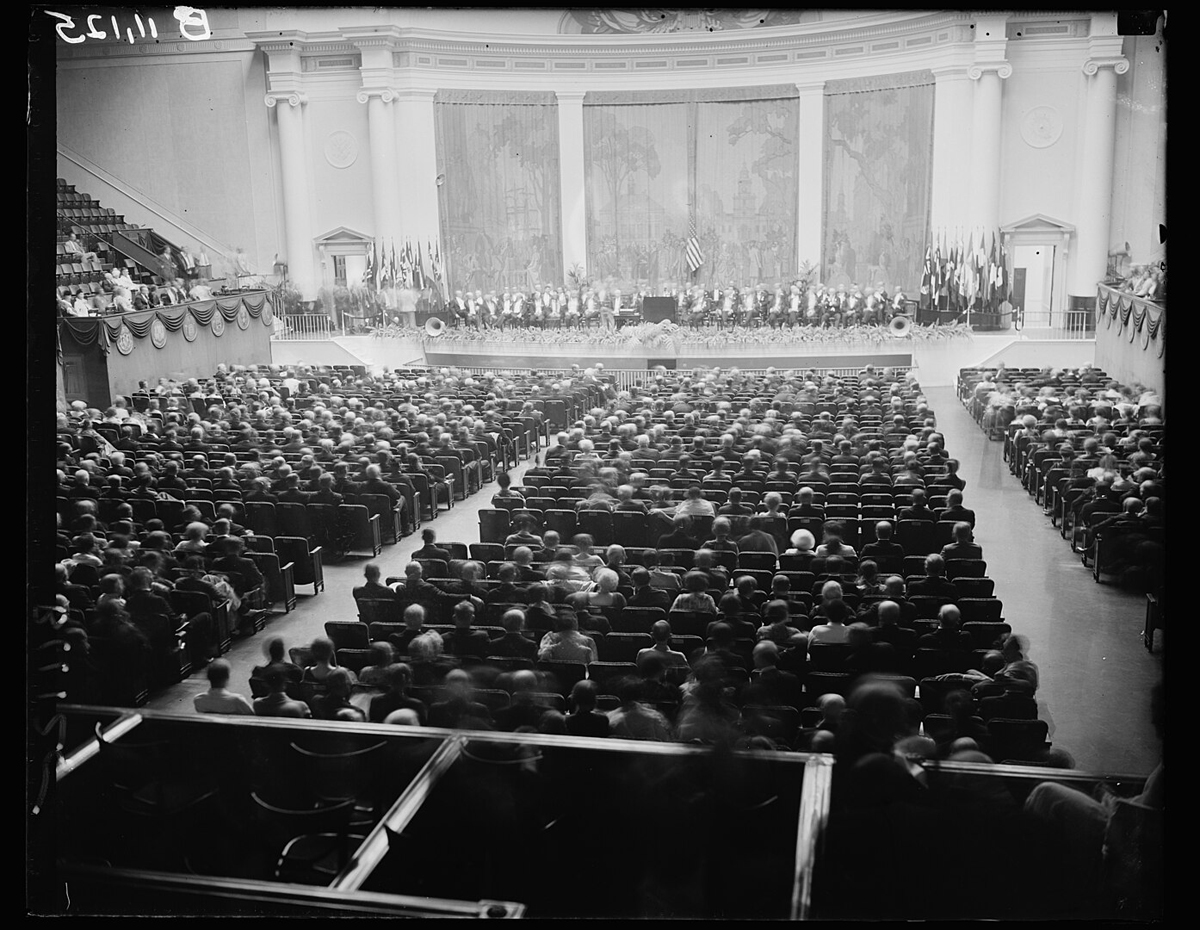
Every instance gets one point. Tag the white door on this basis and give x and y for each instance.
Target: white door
(355, 266)
(1038, 262)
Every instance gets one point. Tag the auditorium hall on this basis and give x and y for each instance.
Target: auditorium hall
(723, 450)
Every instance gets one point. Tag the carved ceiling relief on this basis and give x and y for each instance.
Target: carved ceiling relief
(592, 22)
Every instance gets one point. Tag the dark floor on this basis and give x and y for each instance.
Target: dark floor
(1085, 637)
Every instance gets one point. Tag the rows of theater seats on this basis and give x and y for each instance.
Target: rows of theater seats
(80, 214)
(1052, 477)
(289, 543)
(550, 501)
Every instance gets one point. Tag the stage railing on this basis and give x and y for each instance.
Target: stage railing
(1057, 324)
(305, 326)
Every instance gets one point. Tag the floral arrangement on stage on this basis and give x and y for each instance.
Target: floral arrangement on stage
(670, 338)
(664, 336)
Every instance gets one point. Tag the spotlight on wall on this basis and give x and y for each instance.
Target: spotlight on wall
(440, 180)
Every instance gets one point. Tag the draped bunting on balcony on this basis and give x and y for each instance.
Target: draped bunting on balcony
(1133, 316)
(500, 201)
(878, 180)
(725, 157)
(87, 330)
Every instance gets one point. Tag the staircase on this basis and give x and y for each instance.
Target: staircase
(104, 232)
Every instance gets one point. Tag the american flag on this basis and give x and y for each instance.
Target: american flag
(695, 258)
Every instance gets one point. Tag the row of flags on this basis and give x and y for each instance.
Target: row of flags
(970, 274)
(388, 267)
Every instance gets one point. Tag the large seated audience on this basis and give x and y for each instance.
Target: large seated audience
(1091, 451)
(760, 560)
(670, 531)
(94, 277)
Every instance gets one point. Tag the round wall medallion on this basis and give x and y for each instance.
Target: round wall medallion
(190, 330)
(267, 316)
(218, 324)
(1041, 127)
(124, 340)
(158, 334)
(243, 318)
(341, 149)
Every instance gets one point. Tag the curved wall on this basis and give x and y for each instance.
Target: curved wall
(185, 123)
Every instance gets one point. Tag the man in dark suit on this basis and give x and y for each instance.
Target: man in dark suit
(949, 635)
(459, 711)
(934, 583)
(415, 589)
(292, 493)
(399, 679)
(889, 630)
(919, 509)
(645, 594)
(963, 546)
(512, 643)
(324, 493)
(680, 536)
(524, 712)
(507, 592)
(803, 506)
(153, 616)
(769, 685)
(372, 589)
(883, 547)
(429, 550)
(845, 454)
(956, 511)
(463, 640)
(244, 574)
(78, 596)
(414, 626)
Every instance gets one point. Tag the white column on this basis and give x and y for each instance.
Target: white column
(417, 164)
(810, 210)
(1096, 176)
(952, 107)
(572, 179)
(984, 209)
(298, 232)
(385, 187)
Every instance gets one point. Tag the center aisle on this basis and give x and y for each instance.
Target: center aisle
(1085, 638)
(307, 621)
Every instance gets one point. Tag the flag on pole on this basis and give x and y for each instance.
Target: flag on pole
(993, 271)
(419, 280)
(368, 278)
(394, 265)
(938, 280)
(435, 266)
(1002, 273)
(695, 258)
(927, 277)
(410, 260)
(405, 274)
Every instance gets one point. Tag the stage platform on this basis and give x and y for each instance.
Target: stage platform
(937, 362)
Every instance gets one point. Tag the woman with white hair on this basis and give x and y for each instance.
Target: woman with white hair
(194, 539)
(803, 543)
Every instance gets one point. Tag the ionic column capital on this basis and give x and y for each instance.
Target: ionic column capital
(293, 98)
(387, 95)
(1118, 63)
(1001, 69)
